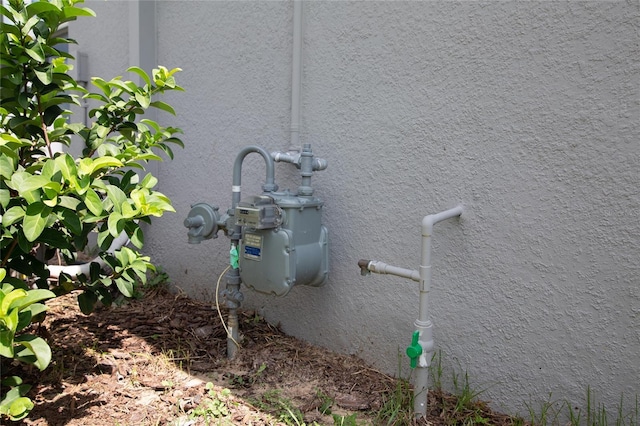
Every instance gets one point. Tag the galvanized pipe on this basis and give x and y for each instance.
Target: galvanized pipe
(233, 293)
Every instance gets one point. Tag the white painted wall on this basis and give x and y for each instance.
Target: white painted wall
(527, 113)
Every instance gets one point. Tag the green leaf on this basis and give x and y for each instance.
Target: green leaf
(68, 202)
(117, 197)
(23, 100)
(28, 26)
(6, 342)
(49, 169)
(24, 319)
(37, 308)
(51, 189)
(7, 166)
(31, 197)
(158, 203)
(31, 183)
(45, 75)
(135, 234)
(149, 181)
(87, 301)
(35, 220)
(149, 156)
(83, 184)
(143, 99)
(125, 286)
(115, 224)
(9, 139)
(71, 220)
(12, 381)
(37, 8)
(93, 202)
(128, 212)
(73, 12)
(15, 294)
(167, 151)
(13, 401)
(67, 166)
(12, 215)
(51, 113)
(54, 238)
(17, 179)
(33, 296)
(105, 239)
(102, 85)
(151, 123)
(36, 52)
(37, 347)
(163, 106)
(24, 245)
(95, 164)
(141, 73)
(20, 408)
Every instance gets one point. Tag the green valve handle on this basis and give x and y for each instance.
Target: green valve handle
(233, 257)
(414, 350)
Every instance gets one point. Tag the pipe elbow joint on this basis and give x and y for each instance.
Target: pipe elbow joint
(364, 267)
(430, 220)
(286, 157)
(319, 164)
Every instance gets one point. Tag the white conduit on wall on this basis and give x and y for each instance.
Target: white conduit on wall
(74, 270)
(423, 324)
(296, 74)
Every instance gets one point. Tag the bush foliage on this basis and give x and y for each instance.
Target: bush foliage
(52, 202)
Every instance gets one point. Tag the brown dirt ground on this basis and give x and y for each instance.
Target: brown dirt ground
(162, 360)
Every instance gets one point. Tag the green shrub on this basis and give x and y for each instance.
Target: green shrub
(51, 201)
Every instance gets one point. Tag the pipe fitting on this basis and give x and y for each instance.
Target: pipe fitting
(382, 268)
(430, 220)
(234, 298)
(364, 267)
(290, 157)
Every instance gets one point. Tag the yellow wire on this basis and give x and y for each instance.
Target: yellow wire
(224, 325)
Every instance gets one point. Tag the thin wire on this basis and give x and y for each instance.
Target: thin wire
(224, 325)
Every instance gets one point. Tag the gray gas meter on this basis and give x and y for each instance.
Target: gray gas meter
(277, 238)
(296, 252)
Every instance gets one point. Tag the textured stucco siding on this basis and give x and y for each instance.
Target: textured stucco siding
(527, 113)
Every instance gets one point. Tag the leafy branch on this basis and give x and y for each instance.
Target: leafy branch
(52, 202)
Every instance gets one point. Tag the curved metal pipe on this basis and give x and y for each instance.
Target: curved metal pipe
(269, 184)
(233, 294)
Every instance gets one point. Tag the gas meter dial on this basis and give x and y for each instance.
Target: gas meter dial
(258, 212)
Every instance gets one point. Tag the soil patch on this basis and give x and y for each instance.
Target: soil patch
(162, 360)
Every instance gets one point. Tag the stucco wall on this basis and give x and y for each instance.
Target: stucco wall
(526, 113)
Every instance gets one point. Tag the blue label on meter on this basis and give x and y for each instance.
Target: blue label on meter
(252, 251)
(252, 246)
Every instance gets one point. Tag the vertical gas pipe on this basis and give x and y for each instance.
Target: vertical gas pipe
(232, 293)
